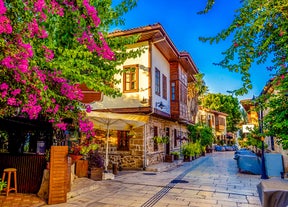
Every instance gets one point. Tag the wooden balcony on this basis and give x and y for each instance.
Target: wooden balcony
(220, 127)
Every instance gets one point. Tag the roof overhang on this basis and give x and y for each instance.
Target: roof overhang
(157, 35)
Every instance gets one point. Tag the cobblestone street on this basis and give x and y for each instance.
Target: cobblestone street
(211, 181)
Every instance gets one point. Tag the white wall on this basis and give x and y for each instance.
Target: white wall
(130, 99)
(159, 61)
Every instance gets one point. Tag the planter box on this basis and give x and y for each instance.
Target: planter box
(176, 157)
(96, 173)
(82, 168)
(169, 158)
(187, 158)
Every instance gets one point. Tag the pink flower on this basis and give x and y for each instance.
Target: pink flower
(32, 110)
(49, 54)
(56, 108)
(5, 26)
(88, 109)
(62, 126)
(43, 34)
(51, 120)
(92, 13)
(4, 86)
(33, 28)
(16, 92)
(3, 94)
(8, 62)
(2, 7)
(12, 101)
(39, 5)
(57, 9)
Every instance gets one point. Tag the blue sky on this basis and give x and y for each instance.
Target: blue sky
(184, 27)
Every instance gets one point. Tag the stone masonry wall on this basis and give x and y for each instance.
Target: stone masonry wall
(135, 158)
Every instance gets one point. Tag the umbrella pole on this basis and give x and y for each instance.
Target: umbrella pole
(106, 155)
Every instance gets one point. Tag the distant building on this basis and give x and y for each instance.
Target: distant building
(217, 121)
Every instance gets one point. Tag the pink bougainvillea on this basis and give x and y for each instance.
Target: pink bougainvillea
(92, 13)
(34, 87)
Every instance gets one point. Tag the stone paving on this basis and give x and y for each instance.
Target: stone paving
(20, 200)
(212, 181)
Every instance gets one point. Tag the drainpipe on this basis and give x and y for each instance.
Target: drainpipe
(145, 153)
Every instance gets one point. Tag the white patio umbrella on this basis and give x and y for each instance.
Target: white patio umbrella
(115, 121)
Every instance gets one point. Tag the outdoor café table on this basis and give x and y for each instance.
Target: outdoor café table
(273, 192)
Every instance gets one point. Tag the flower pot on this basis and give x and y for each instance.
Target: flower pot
(96, 173)
(82, 168)
(187, 158)
(169, 158)
(75, 157)
(176, 157)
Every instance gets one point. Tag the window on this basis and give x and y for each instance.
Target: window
(173, 91)
(221, 121)
(175, 138)
(157, 82)
(183, 94)
(130, 78)
(164, 86)
(123, 140)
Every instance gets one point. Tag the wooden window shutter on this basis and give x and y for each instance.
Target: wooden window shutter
(58, 175)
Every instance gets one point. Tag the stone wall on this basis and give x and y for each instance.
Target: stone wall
(136, 158)
(155, 157)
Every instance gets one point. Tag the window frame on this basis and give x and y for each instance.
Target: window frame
(125, 138)
(157, 82)
(173, 91)
(164, 87)
(130, 73)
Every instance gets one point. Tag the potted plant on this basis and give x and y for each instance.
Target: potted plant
(161, 139)
(188, 151)
(79, 153)
(96, 165)
(169, 158)
(74, 152)
(176, 155)
(3, 185)
(85, 149)
(197, 149)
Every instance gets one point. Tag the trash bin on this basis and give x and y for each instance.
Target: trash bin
(115, 168)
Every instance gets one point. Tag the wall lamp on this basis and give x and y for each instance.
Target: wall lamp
(144, 100)
(160, 105)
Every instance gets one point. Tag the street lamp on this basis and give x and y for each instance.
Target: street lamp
(260, 121)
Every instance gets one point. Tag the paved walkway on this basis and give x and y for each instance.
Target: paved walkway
(211, 181)
(20, 200)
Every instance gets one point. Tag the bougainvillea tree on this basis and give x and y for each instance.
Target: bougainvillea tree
(259, 33)
(49, 47)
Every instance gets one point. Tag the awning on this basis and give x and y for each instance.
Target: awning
(116, 121)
